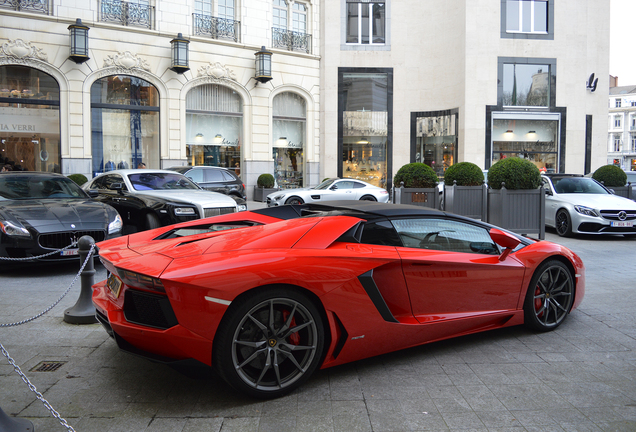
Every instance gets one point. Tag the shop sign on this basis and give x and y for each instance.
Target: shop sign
(29, 124)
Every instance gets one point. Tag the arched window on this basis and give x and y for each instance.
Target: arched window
(125, 123)
(29, 119)
(289, 135)
(214, 127)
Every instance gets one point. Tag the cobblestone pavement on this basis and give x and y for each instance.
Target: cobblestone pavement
(581, 377)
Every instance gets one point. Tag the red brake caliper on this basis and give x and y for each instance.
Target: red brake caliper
(294, 338)
(537, 301)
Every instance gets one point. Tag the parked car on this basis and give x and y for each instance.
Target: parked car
(576, 204)
(269, 296)
(631, 177)
(42, 213)
(148, 199)
(328, 190)
(216, 179)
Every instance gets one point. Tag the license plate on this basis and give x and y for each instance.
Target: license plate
(625, 224)
(69, 252)
(114, 283)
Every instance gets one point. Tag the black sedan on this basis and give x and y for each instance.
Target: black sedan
(45, 213)
(148, 199)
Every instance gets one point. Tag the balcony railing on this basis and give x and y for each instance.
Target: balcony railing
(216, 28)
(291, 40)
(128, 14)
(41, 6)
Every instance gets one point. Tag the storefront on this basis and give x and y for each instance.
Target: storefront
(435, 139)
(289, 132)
(29, 119)
(214, 126)
(124, 123)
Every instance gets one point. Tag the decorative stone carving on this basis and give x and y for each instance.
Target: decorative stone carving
(21, 50)
(216, 70)
(126, 60)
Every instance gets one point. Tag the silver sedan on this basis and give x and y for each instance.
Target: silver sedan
(580, 205)
(329, 190)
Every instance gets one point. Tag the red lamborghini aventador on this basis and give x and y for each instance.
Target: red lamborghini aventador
(268, 296)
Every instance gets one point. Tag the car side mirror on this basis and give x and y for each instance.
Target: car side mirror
(548, 192)
(119, 187)
(334, 187)
(505, 240)
(612, 191)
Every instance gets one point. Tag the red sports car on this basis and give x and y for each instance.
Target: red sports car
(268, 296)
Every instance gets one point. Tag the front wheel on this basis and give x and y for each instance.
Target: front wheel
(295, 200)
(368, 198)
(563, 223)
(549, 297)
(269, 343)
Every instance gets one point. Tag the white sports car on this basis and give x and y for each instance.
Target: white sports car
(581, 205)
(329, 190)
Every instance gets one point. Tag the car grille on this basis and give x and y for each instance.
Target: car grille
(149, 309)
(60, 240)
(613, 214)
(209, 212)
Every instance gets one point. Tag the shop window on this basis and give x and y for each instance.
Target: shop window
(526, 82)
(436, 139)
(289, 129)
(527, 19)
(29, 119)
(125, 123)
(366, 22)
(365, 120)
(214, 127)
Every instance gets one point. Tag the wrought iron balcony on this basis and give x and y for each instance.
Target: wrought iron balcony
(41, 6)
(128, 14)
(291, 40)
(216, 28)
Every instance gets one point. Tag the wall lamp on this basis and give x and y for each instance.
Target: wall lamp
(180, 54)
(78, 33)
(263, 66)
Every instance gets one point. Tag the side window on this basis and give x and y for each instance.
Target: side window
(110, 179)
(357, 185)
(228, 176)
(445, 235)
(213, 175)
(380, 233)
(344, 185)
(196, 175)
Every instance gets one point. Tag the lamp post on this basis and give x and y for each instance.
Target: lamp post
(79, 42)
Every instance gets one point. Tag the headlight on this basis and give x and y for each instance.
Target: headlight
(586, 210)
(279, 197)
(242, 207)
(184, 211)
(14, 230)
(116, 225)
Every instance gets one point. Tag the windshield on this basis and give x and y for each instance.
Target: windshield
(581, 185)
(325, 184)
(22, 187)
(160, 181)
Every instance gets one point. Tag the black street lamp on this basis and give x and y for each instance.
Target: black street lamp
(180, 54)
(263, 66)
(79, 42)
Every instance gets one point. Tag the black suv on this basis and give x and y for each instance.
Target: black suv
(214, 179)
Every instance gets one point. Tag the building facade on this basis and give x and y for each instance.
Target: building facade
(621, 142)
(359, 87)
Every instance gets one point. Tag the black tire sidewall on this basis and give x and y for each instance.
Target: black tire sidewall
(568, 231)
(152, 221)
(530, 318)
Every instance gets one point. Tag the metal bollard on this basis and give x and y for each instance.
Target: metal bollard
(84, 312)
(11, 424)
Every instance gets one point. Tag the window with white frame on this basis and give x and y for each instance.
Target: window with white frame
(226, 9)
(527, 16)
(616, 143)
(633, 139)
(206, 7)
(366, 22)
(299, 18)
(203, 7)
(280, 14)
(617, 102)
(617, 121)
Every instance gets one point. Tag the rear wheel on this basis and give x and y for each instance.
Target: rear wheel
(294, 200)
(368, 198)
(549, 297)
(152, 221)
(563, 223)
(269, 343)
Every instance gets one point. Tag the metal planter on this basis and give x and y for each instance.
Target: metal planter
(470, 201)
(520, 211)
(424, 197)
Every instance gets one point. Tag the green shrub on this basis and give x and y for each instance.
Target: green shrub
(465, 174)
(610, 176)
(80, 179)
(416, 175)
(265, 181)
(515, 172)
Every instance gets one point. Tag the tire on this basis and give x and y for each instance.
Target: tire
(269, 343)
(294, 200)
(368, 198)
(563, 223)
(550, 296)
(152, 221)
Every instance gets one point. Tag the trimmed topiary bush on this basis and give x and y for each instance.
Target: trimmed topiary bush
(416, 175)
(610, 176)
(465, 174)
(265, 181)
(515, 172)
(80, 179)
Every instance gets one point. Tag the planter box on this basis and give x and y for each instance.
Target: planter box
(625, 191)
(470, 201)
(260, 194)
(425, 197)
(520, 211)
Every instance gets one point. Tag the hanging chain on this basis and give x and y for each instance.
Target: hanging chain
(40, 256)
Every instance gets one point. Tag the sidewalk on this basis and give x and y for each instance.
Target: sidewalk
(579, 377)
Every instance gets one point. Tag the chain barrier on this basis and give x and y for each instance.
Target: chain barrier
(40, 256)
(12, 362)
